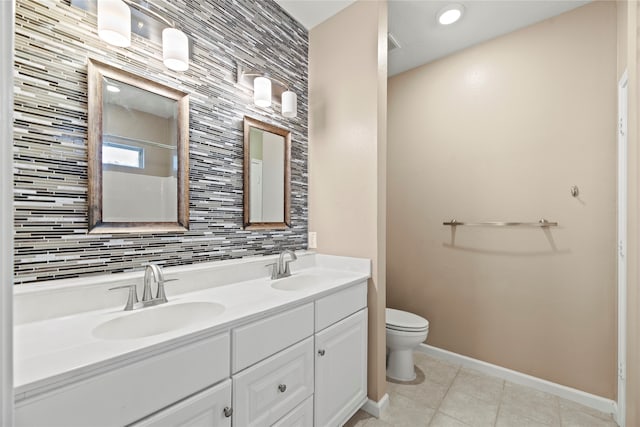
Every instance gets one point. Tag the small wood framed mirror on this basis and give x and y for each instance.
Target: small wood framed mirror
(138, 149)
(267, 176)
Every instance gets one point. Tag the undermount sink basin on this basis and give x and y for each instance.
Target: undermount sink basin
(157, 320)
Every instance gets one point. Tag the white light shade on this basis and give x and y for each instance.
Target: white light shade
(262, 92)
(175, 49)
(450, 14)
(114, 22)
(289, 104)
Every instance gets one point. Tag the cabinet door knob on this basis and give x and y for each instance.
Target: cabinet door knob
(321, 352)
(227, 411)
(282, 387)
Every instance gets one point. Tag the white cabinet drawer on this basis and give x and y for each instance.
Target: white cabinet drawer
(302, 416)
(340, 305)
(205, 409)
(127, 394)
(261, 339)
(265, 392)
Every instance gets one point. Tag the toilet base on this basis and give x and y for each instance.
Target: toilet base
(400, 365)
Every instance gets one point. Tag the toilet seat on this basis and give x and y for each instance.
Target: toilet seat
(395, 328)
(398, 320)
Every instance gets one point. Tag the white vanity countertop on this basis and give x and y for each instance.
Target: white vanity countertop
(56, 351)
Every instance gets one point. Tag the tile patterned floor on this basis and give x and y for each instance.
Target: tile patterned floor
(448, 395)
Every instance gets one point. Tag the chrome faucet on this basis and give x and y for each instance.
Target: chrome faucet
(281, 268)
(152, 272)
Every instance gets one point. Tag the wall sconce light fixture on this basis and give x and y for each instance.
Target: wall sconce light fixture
(114, 27)
(289, 104)
(114, 22)
(175, 49)
(262, 92)
(265, 88)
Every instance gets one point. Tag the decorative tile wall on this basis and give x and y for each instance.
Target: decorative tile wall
(53, 42)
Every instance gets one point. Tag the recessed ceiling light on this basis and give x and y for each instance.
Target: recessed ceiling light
(450, 14)
(112, 88)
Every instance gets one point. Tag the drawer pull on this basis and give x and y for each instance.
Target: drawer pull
(227, 411)
(321, 352)
(282, 388)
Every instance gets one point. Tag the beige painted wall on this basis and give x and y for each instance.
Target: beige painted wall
(622, 34)
(501, 131)
(347, 151)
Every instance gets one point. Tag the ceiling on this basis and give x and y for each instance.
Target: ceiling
(413, 23)
(312, 12)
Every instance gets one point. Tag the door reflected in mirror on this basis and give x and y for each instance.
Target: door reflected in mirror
(138, 153)
(267, 152)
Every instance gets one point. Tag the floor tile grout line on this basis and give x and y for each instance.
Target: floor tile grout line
(445, 396)
(504, 384)
(460, 368)
(559, 410)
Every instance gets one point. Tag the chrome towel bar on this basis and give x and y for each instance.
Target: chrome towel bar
(542, 223)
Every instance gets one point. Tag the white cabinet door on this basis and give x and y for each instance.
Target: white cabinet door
(341, 370)
(209, 408)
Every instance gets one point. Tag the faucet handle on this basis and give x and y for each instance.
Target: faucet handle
(274, 270)
(131, 299)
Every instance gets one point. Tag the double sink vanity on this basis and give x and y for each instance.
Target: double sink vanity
(263, 341)
(231, 346)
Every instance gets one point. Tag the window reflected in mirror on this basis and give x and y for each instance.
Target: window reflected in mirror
(266, 175)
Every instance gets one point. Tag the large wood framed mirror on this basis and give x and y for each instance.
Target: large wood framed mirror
(138, 146)
(267, 176)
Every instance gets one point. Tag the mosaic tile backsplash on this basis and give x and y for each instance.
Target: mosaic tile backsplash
(54, 41)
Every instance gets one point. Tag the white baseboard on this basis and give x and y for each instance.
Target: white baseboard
(590, 400)
(376, 408)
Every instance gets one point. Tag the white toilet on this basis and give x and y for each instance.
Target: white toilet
(405, 331)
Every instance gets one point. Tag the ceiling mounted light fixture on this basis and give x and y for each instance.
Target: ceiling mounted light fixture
(114, 27)
(265, 88)
(450, 14)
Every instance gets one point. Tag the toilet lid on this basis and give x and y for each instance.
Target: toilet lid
(403, 320)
